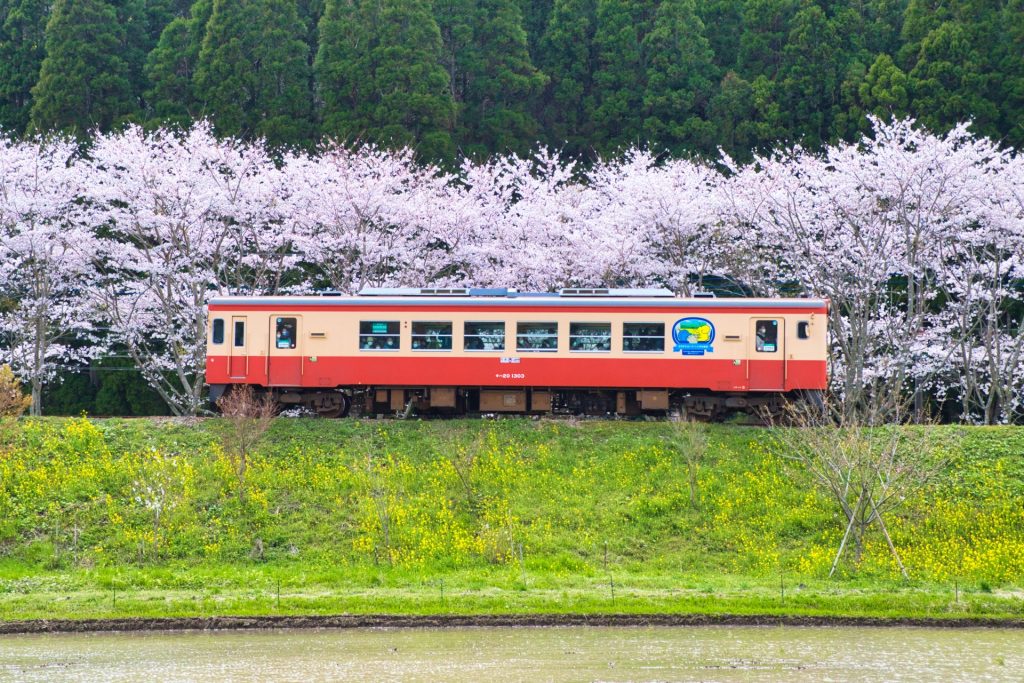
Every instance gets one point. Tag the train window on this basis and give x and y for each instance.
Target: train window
(484, 336)
(803, 330)
(286, 333)
(240, 333)
(218, 331)
(643, 337)
(537, 337)
(378, 335)
(590, 336)
(766, 336)
(432, 336)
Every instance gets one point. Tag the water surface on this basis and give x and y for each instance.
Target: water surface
(493, 655)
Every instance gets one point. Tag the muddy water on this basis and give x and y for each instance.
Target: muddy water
(492, 655)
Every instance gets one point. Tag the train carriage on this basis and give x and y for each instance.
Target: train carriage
(594, 351)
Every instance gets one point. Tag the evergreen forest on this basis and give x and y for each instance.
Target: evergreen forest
(455, 78)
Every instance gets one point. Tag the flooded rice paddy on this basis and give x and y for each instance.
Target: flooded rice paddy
(493, 655)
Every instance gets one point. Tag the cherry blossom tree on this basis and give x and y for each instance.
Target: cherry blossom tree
(656, 223)
(977, 334)
(824, 241)
(179, 218)
(370, 217)
(45, 320)
(531, 224)
(547, 223)
(870, 225)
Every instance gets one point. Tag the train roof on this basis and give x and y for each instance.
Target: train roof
(501, 297)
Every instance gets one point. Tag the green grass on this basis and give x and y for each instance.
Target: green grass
(480, 517)
(202, 590)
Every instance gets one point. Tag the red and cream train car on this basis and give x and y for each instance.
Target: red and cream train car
(495, 350)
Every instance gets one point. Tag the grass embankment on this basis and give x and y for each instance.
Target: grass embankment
(113, 518)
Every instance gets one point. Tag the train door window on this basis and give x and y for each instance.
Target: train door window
(379, 335)
(431, 336)
(803, 330)
(484, 336)
(766, 339)
(590, 336)
(240, 333)
(286, 332)
(218, 331)
(641, 337)
(537, 337)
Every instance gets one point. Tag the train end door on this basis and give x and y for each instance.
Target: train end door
(284, 359)
(238, 359)
(766, 360)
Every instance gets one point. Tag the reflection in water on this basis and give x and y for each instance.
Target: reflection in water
(725, 653)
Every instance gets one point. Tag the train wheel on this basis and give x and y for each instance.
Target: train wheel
(339, 409)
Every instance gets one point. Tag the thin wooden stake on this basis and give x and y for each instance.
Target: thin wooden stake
(522, 564)
(842, 544)
(885, 532)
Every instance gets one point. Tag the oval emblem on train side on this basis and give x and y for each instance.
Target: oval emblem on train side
(693, 336)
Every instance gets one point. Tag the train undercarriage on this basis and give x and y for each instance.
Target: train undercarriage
(455, 401)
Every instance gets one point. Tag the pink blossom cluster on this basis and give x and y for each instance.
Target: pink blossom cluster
(916, 239)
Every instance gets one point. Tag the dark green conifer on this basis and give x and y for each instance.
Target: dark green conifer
(766, 27)
(159, 14)
(620, 74)
(732, 112)
(567, 51)
(885, 91)
(493, 81)
(810, 76)
(882, 24)
(85, 81)
(680, 80)
(536, 17)
(1011, 66)
(379, 77)
(952, 81)
(724, 18)
(171, 68)
(920, 18)
(22, 41)
(252, 75)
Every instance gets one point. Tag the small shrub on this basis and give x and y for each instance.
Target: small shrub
(248, 416)
(13, 401)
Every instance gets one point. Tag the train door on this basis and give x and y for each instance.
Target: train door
(238, 360)
(284, 360)
(766, 365)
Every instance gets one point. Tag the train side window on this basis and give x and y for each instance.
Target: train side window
(590, 336)
(803, 330)
(766, 338)
(431, 336)
(218, 331)
(286, 333)
(378, 335)
(536, 336)
(240, 333)
(484, 336)
(643, 337)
